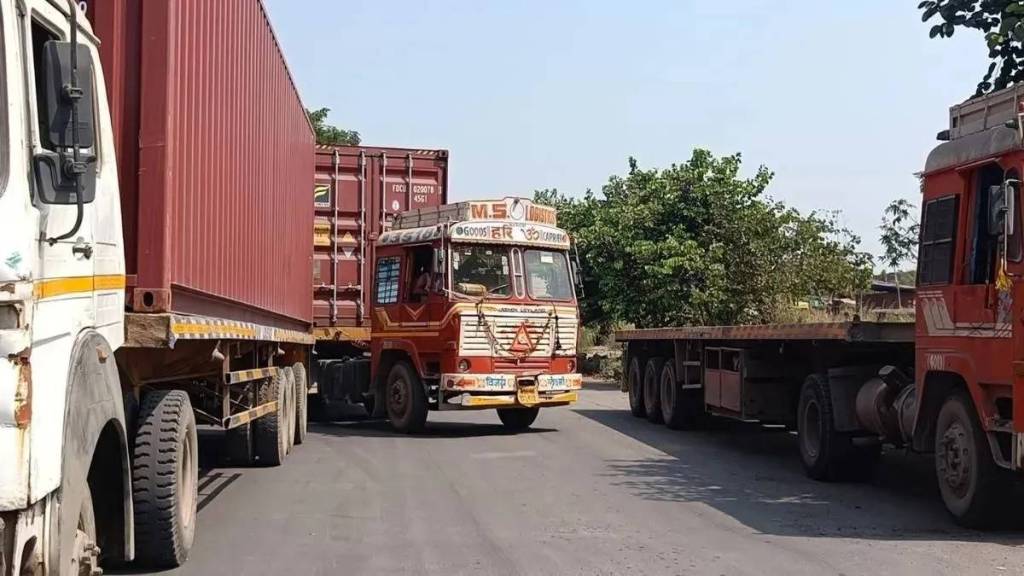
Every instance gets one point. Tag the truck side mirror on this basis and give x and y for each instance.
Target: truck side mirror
(1010, 200)
(63, 171)
(439, 262)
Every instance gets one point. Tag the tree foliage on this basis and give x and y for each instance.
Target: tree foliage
(899, 234)
(331, 135)
(1002, 22)
(698, 244)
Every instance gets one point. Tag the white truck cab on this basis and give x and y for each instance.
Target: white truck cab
(62, 417)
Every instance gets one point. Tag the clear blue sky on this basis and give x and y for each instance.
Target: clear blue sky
(841, 99)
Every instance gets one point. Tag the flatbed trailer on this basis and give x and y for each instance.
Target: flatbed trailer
(843, 386)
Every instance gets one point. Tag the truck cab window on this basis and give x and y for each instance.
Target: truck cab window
(935, 261)
(40, 36)
(984, 248)
(420, 281)
(388, 279)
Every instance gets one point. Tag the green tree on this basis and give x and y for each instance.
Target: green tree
(698, 244)
(327, 134)
(1002, 22)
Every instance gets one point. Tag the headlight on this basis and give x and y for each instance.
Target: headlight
(463, 365)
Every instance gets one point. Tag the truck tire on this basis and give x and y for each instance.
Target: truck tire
(406, 399)
(301, 402)
(635, 388)
(973, 487)
(680, 409)
(517, 419)
(652, 389)
(827, 454)
(289, 405)
(165, 479)
(239, 449)
(269, 431)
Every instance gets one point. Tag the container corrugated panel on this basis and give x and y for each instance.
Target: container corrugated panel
(216, 157)
(358, 192)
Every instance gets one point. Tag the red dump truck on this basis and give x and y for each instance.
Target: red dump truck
(154, 269)
(951, 383)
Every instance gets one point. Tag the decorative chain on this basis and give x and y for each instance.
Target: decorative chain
(496, 345)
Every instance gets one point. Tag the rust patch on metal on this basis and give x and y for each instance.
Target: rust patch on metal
(8, 287)
(23, 392)
(101, 354)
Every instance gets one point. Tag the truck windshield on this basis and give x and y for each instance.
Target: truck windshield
(547, 275)
(481, 270)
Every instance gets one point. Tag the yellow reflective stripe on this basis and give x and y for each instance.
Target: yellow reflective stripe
(212, 329)
(53, 287)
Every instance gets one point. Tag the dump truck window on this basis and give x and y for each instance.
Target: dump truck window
(937, 246)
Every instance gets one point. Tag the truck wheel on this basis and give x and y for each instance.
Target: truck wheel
(238, 445)
(635, 384)
(165, 477)
(971, 483)
(680, 409)
(301, 402)
(289, 406)
(826, 453)
(652, 389)
(517, 419)
(84, 554)
(269, 432)
(406, 400)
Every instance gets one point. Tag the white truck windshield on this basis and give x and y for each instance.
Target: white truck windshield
(547, 275)
(481, 270)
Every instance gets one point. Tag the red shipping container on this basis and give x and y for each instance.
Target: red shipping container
(215, 159)
(360, 189)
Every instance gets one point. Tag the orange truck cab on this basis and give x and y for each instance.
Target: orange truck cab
(473, 306)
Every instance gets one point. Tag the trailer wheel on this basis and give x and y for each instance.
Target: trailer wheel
(165, 478)
(635, 384)
(652, 389)
(289, 406)
(301, 402)
(972, 485)
(406, 400)
(270, 430)
(517, 419)
(826, 453)
(680, 409)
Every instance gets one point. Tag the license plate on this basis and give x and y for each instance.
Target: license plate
(527, 395)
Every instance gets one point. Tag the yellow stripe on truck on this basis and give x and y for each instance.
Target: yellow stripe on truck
(54, 287)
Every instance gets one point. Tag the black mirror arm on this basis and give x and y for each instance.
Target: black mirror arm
(73, 93)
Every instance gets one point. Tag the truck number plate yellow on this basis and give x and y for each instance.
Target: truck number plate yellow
(528, 395)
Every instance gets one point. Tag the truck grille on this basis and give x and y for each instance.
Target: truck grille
(475, 340)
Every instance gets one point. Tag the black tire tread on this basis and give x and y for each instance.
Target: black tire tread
(268, 430)
(839, 458)
(518, 419)
(988, 509)
(301, 402)
(635, 387)
(164, 418)
(417, 418)
(652, 402)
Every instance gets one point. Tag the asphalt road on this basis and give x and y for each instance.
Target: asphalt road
(591, 490)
